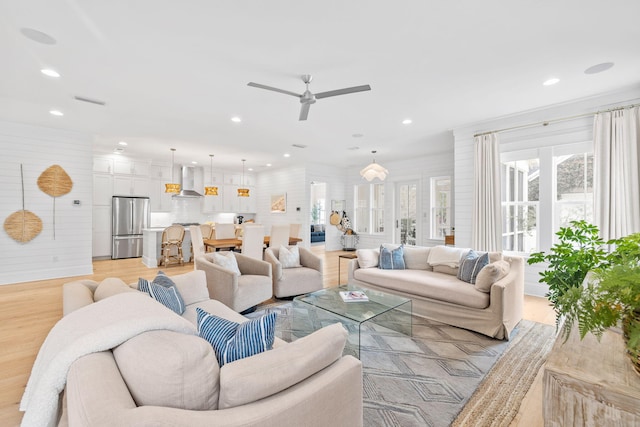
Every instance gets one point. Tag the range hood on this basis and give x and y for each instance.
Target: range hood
(187, 186)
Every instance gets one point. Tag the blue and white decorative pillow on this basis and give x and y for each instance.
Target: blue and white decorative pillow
(233, 341)
(391, 259)
(163, 290)
(471, 266)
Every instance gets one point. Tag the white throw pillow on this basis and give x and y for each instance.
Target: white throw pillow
(415, 258)
(447, 255)
(226, 260)
(490, 274)
(289, 258)
(368, 258)
(109, 287)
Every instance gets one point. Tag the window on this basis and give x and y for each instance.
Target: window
(440, 207)
(520, 196)
(542, 190)
(369, 208)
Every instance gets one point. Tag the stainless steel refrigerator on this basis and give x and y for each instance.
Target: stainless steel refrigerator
(129, 216)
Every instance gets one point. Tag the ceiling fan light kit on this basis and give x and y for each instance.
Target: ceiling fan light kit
(172, 187)
(307, 98)
(373, 171)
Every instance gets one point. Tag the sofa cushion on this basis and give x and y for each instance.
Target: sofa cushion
(368, 258)
(471, 266)
(169, 369)
(109, 287)
(265, 374)
(289, 257)
(232, 341)
(192, 286)
(391, 259)
(225, 260)
(163, 290)
(427, 284)
(445, 269)
(446, 255)
(416, 257)
(490, 274)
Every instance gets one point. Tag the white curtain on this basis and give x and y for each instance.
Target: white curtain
(616, 180)
(487, 209)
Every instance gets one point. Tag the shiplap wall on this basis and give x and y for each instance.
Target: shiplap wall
(420, 169)
(44, 257)
(554, 135)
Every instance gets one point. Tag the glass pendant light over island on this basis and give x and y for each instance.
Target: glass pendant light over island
(211, 190)
(243, 192)
(172, 188)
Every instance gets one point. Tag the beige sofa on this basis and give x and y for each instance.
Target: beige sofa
(437, 293)
(165, 378)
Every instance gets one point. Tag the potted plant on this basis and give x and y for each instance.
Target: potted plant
(610, 296)
(579, 250)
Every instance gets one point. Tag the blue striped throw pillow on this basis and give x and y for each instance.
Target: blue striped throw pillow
(471, 266)
(391, 259)
(163, 290)
(233, 341)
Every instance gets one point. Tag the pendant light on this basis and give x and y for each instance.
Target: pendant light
(243, 192)
(212, 190)
(374, 171)
(172, 188)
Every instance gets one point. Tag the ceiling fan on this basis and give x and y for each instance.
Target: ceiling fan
(308, 98)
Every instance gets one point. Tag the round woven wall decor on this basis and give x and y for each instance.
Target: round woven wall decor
(23, 225)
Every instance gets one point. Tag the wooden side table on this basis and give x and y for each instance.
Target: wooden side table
(345, 256)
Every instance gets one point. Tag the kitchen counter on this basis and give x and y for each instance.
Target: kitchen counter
(152, 246)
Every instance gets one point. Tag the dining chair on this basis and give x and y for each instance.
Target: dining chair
(253, 241)
(225, 231)
(197, 244)
(294, 229)
(206, 230)
(279, 235)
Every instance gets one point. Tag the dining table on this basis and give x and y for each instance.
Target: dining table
(217, 244)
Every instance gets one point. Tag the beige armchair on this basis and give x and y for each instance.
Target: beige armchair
(240, 293)
(295, 281)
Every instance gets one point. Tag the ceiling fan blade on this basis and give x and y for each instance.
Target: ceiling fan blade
(342, 91)
(304, 111)
(275, 89)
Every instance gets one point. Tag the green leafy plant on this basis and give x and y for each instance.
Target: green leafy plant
(579, 250)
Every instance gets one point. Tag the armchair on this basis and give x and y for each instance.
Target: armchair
(242, 292)
(295, 281)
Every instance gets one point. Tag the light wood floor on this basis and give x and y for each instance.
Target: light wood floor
(29, 310)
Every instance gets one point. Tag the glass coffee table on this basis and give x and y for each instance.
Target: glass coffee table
(318, 309)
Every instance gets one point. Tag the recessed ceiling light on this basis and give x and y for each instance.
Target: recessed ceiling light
(287, 155)
(407, 121)
(194, 162)
(598, 68)
(56, 113)
(124, 144)
(49, 72)
(250, 169)
(268, 165)
(37, 36)
(236, 119)
(551, 81)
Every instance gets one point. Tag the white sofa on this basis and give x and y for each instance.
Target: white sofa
(437, 293)
(307, 382)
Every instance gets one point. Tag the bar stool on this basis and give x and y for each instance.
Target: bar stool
(172, 237)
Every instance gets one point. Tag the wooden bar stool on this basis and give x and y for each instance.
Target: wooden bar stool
(172, 237)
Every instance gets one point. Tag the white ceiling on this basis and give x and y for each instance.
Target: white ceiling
(173, 73)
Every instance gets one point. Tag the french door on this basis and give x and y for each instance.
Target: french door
(406, 214)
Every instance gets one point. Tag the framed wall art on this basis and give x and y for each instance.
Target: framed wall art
(279, 203)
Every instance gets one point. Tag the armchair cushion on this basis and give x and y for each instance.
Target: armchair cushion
(289, 258)
(232, 341)
(226, 260)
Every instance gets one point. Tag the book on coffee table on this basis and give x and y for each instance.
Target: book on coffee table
(353, 296)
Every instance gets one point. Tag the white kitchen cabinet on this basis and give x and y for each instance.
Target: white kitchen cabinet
(126, 185)
(102, 164)
(159, 201)
(237, 179)
(160, 172)
(101, 244)
(248, 204)
(131, 167)
(212, 204)
(232, 203)
(102, 189)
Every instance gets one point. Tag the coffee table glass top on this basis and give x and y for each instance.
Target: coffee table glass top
(358, 311)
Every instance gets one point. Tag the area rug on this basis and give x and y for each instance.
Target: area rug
(428, 378)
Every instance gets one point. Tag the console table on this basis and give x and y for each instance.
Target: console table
(590, 383)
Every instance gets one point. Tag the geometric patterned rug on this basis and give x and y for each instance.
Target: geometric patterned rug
(423, 380)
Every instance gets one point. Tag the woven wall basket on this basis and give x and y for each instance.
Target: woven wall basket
(55, 181)
(23, 225)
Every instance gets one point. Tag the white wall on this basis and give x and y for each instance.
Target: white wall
(44, 257)
(420, 169)
(555, 134)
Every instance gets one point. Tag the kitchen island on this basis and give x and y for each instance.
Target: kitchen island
(152, 246)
